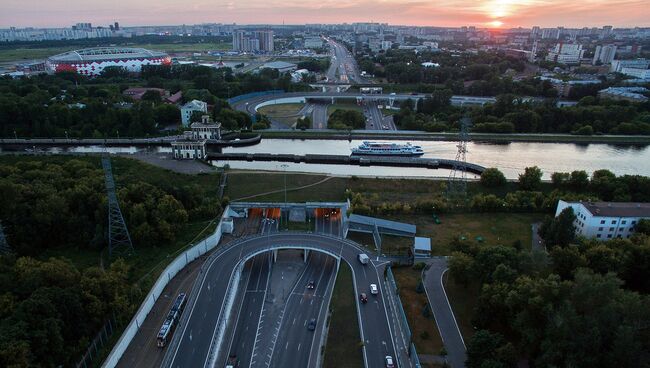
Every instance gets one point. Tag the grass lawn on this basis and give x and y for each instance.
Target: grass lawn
(343, 106)
(243, 184)
(281, 109)
(343, 349)
(426, 338)
(494, 228)
(463, 301)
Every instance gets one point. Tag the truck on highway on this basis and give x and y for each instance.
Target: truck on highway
(363, 258)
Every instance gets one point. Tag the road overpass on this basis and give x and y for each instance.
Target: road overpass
(199, 335)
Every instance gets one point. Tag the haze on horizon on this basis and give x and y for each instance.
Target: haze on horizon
(445, 13)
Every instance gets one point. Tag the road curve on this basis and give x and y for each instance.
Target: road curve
(192, 340)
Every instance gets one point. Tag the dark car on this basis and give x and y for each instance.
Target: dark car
(312, 324)
(363, 297)
(311, 284)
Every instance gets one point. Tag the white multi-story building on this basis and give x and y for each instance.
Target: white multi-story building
(618, 65)
(637, 73)
(604, 54)
(189, 108)
(206, 129)
(566, 53)
(313, 42)
(606, 220)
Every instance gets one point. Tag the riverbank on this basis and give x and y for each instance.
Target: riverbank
(477, 137)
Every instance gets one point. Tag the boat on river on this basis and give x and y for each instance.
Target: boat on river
(387, 149)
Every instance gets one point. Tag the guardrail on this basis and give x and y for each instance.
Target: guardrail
(413, 355)
(183, 259)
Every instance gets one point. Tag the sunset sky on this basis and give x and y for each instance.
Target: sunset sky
(505, 13)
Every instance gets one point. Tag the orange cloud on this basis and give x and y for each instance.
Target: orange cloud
(510, 13)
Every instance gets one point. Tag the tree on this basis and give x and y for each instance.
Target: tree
(460, 267)
(487, 349)
(152, 96)
(566, 260)
(492, 177)
(643, 227)
(531, 179)
(579, 180)
(304, 123)
(559, 230)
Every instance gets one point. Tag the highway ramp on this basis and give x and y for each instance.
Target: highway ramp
(192, 341)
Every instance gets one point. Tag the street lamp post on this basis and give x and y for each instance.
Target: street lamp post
(15, 134)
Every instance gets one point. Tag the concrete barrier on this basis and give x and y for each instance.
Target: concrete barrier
(183, 259)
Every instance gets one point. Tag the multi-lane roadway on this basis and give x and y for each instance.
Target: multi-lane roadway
(193, 340)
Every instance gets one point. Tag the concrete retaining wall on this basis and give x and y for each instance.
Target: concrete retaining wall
(170, 271)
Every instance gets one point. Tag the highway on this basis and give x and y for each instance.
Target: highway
(297, 346)
(319, 116)
(257, 273)
(343, 61)
(192, 341)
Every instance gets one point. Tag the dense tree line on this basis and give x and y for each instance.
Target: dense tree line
(66, 203)
(50, 310)
(584, 305)
(346, 120)
(529, 194)
(68, 103)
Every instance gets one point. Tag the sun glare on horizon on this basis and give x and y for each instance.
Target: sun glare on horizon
(495, 24)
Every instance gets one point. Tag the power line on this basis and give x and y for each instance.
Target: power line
(457, 181)
(119, 240)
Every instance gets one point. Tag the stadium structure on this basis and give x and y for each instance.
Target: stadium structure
(92, 61)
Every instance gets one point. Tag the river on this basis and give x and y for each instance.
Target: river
(510, 158)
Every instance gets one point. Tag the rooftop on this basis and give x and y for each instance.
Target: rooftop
(279, 65)
(195, 104)
(106, 53)
(618, 209)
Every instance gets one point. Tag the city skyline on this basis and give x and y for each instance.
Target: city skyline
(444, 13)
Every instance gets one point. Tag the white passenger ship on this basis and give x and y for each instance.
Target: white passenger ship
(387, 149)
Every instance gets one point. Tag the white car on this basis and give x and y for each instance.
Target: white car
(373, 289)
(389, 362)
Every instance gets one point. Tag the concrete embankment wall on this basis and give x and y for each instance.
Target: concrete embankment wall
(170, 271)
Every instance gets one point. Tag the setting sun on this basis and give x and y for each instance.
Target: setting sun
(495, 24)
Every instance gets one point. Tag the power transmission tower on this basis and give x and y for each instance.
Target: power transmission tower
(119, 240)
(457, 182)
(4, 245)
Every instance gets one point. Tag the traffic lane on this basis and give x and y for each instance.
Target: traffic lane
(196, 335)
(319, 116)
(192, 350)
(295, 340)
(377, 333)
(249, 313)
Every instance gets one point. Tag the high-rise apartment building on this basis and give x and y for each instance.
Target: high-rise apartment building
(566, 53)
(604, 54)
(252, 41)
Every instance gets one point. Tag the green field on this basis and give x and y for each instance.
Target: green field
(343, 106)
(281, 109)
(343, 349)
(425, 333)
(284, 113)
